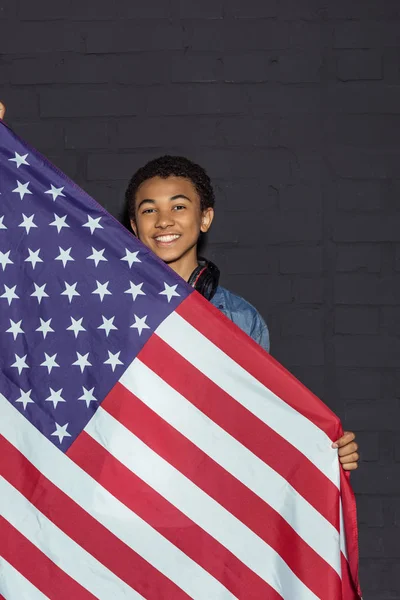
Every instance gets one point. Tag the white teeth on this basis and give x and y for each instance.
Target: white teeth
(167, 238)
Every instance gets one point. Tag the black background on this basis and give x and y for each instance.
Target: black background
(293, 107)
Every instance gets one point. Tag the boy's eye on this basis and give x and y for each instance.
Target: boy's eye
(147, 210)
(179, 207)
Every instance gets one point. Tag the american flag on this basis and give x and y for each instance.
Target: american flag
(149, 448)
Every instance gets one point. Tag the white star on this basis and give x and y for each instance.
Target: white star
(107, 325)
(64, 256)
(4, 260)
(9, 294)
(27, 223)
(59, 222)
(49, 362)
(2, 226)
(97, 256)
(55, 192)
(20, 363)
(33, 257)
(61, 432)
(55, 397)
(135, 290)
(25, 398)
(93, 224)
(102, 290)
(39, 292)
(15, 328)
(70, 291)
(169, 291)
(19, 160)
(22, 189)
(76, 326)
(140, 324)
(131, 257)
(87, 396)
(82, 361)
(113, 360)
(45, 327)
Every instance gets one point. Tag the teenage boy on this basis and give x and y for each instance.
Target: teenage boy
(170, 203)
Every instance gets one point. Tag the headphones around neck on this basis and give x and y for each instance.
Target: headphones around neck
(205, 278)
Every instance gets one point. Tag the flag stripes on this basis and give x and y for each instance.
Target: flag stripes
(15, 585)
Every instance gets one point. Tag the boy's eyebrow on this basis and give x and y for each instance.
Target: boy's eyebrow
(151, 201)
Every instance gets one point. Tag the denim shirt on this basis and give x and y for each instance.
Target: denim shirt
(243, 314)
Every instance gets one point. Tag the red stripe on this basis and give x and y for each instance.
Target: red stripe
(225, 489)
(241, 424)
(209, 321)
(168, 520)
(83, 528)
(36, 567)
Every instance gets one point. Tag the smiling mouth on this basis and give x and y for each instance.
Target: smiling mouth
(167, 239)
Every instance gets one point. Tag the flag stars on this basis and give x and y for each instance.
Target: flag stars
(15, 328)
(113, 360)
(20, 363)
(131, 257)
(64, 256)
(5, 259)
(70, 291)
(55, 192)
(2, 226)
(97, 256)
(49, 362)
(59, 222)
(76, 326)
(25, 398)
(22, 189)
(169, 291)
(19, 159)
(9, 294)
(39, 292)
(55, 397)
(107, 325)
(82, 361)
(28, 223)
(93, 224)
(135, 290)
(140, 324)
(44, 327)
(87, 396)
(33, 257)
(102, 290)
(61, 432)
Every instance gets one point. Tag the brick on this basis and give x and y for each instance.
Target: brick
(366, 351)
(196, 68)
(92, 10)
(41, 135)
(109, 194)
(359, 9)
(48, 37)
(362, 130)
(134, 35)
(254, 67)
(307, 322)
(60, 69)
(114, 167)
(354, 65)
(300, 259)
(380, 576)
(300, 67)
(363, 163)
(66, 162)
(357, 320)
(391, 320)
(252, 9)
(84, 102)
(370, 508)
(83, 134)
(385, 478)
(311, 377)
(357, 195)
(300, 197)
(7, 9)
(241, 260)
(20, 106)
(358, 384)
(235, 227)
(366, 34)
(369, 449)
(301, 130)
(358, 257)
(397, 257)
(235, 194)
(306, 34)
(207, 9)
(142, 68)
(248, 131)
(275, 289)
(377, 415)
(307, 227)
(362, 97)
(300, 352)
(265, 98)
(367, 228)
(308, 291)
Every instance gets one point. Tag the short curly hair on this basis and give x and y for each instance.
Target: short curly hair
(164, 167)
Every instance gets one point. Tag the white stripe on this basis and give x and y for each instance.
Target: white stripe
(248, 391)
(14, 586)
(109, 511)
(197, 505)
(343, 545)
(235, 458)
(56, 545)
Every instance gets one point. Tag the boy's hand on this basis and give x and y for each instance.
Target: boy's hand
(2, 110)
(348, 455)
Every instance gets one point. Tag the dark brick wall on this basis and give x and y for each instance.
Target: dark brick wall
(293, 106)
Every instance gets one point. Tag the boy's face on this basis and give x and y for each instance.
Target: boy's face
(168, 220)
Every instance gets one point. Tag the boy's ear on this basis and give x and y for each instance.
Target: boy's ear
(207, 217)
(134, 226)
